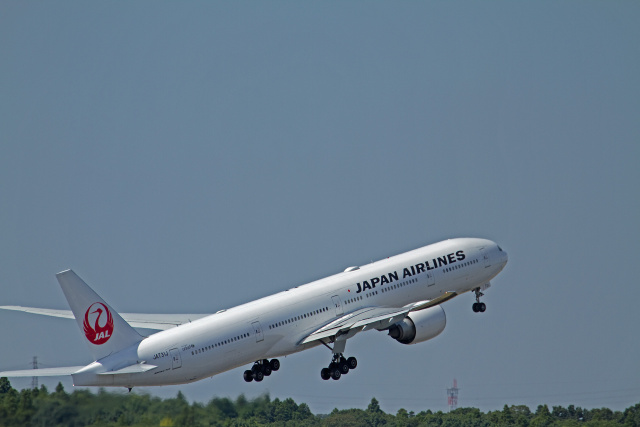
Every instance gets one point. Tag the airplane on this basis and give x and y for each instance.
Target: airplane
(400, 295)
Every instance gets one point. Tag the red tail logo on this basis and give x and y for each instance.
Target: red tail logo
(102, 325)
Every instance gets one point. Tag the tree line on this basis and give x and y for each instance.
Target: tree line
(39, 407)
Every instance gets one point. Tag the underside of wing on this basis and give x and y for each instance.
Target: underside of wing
(138, 368)
(379, 318)
(137, 320)
(362, 319)
(44, 372)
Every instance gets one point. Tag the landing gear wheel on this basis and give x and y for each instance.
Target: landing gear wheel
(338, 367)
(478, 307)
(325, 373)
(335, 374)
(352, 362)
(266, 370)
(260, 369)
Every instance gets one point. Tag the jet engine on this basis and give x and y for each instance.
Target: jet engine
(419, 326)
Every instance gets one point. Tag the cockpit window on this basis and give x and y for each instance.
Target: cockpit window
(499, 248)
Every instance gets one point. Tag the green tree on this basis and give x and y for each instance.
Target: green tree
(346, 418)
(187, 417)
(375, 415)
(60, 393)
(5, 385)
(402, 414)
(521, 415)
(542, 417)
(25, 408)
(222, 408)
(374, 406)
(44, 391)
(507, 417)
(107, 409)
(631, 416)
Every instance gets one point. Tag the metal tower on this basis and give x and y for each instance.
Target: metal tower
(34, 380)
(452, 396)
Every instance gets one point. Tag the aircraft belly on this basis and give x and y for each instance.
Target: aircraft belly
(210, 364)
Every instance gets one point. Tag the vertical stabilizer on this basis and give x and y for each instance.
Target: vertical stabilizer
(104, 331)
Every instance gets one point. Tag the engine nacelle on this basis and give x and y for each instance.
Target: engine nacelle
(419, 326)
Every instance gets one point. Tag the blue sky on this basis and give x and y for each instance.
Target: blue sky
(187, 157)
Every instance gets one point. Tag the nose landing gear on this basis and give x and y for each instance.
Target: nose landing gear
(260, 369)
(478, 307)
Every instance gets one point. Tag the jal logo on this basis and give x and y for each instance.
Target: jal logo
(98, 323)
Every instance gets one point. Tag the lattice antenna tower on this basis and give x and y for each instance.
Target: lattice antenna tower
(34, 380)
(452, 396)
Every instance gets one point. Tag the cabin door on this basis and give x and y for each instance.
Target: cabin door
(337, 305)
(257, 329)
(176, 361)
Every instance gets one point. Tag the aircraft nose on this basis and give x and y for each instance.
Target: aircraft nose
(504, 258)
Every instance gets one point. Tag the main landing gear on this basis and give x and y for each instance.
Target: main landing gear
(260, 369)
(478, 307)
(339, 366)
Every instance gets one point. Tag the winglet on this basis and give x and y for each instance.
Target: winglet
(104, 330)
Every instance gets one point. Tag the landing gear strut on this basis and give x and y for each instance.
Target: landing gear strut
(478, 307)
(338, 367)
(260, 369)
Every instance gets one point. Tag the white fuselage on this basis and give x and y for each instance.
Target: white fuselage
(275, 325)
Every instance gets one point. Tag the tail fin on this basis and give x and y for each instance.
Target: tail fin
(104, 330)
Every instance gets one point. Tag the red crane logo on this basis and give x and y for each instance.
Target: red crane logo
(102, 325)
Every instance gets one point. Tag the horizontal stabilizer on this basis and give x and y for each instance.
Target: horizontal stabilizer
(44, 372)
(66, 314)
(158, 322)
(138, 368)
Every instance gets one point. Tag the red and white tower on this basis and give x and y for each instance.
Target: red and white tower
(452, 396)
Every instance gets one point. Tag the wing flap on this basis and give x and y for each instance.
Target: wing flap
(138, 368)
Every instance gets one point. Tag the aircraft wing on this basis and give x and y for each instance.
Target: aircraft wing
(44, 372)
(137, 320)
(363, 319)
(372, 318)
